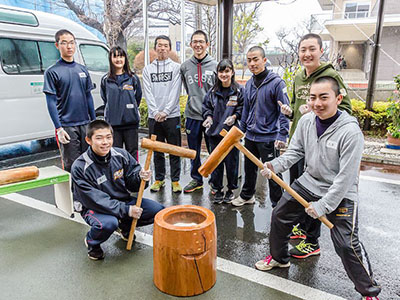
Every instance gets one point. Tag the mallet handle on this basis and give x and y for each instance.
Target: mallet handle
(279, 181)
(140, 196)
(168, 148)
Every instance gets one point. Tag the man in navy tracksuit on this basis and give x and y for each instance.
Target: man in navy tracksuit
(103, 179)
(265, 127)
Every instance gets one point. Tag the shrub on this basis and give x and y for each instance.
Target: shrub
(379, 117)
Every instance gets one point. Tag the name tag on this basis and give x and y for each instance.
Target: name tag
(101, 179)
(127, 87)
(130, 106)
(208, 72)
(82, 75)
(233, 98)
(331, 145)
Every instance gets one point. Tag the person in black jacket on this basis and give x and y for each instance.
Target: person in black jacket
(103, 179)
(122, 93)
(222, 109)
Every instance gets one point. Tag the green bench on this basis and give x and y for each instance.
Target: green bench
(53, 175)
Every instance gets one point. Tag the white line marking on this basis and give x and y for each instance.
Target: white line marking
(378, 179)
(272, 281)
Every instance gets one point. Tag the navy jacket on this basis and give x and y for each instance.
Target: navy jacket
(121, 101)
(105, 186)
(262, 120)
(219, 108)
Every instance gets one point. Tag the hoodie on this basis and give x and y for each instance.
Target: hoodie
(332, 160)
(191, 71)
(162, 87)
(301, 91)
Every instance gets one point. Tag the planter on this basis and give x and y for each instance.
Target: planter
(392, 140)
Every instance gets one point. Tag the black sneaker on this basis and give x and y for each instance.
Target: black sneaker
(192, 186)
(219, 197)
(229, 196)
(94, 252)
(304, 250)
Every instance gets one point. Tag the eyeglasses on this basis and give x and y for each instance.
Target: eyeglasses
(65, 43)
(199, 42)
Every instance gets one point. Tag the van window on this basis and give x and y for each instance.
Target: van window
(95, 57)
(17, 17)
(49, 54)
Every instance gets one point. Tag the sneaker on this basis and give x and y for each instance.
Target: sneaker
(239, 201)
(219, 197)
(298, 233)
(229, 196)
(213, 190)
(176, 187)
(269, 263)
(369, 298)
(303, 250)
(192, 186)
(124, 235)
(157, 185)
(94, 252)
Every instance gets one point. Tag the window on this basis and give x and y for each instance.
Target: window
(27, 57)
(354, 10)
(95, 57)
(17, 17)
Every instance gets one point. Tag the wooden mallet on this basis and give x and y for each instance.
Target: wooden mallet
(153, 145)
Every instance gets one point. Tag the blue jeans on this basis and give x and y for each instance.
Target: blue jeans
(103, 225)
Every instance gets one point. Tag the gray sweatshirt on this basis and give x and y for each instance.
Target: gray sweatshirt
(191, 70)
(332, 160)
(162, 87)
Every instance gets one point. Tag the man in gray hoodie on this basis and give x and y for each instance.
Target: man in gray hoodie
(331, 143)
(198, 77)
(162, 88)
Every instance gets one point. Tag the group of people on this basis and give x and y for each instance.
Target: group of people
(324, 153)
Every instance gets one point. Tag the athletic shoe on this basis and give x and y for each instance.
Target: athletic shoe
(219, 197)
(213, 190)
(369, 298)
(269, 263)
(124, 235)
(303, 250)
(298, 233)
(157, 185)
(176, 187)
(229, 196)
(192, 186)
(94, 252)
(239, 201)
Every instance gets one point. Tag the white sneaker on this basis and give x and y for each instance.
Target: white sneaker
(239, 201)
(269, 263)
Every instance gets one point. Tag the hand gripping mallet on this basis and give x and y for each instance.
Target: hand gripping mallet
(153, 145)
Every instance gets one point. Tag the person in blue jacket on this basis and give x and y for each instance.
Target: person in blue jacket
(103, 178)
(265, 127)
(122, 93)
(68, 86)
(222, 109)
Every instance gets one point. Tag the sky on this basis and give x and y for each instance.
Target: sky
(273, 16)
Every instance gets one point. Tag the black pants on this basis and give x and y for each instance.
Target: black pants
(344, 236)
(129, 138)
(77, 145)
(231, 163)
(310, 225)
(267, 152)
(168, 131)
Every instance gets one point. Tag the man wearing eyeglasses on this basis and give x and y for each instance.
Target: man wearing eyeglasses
(198, 76)
(67, 86)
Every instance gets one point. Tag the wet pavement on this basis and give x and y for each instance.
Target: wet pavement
(243, 232)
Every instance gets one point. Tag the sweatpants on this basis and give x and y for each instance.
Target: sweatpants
(310, 225)
(231, 163)
(129, 138)
(194, 133)
(344, 236)
(266, 152)
(168, 131)
(103, 225)
(76, 146)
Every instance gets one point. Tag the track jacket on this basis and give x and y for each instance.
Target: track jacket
(332, 160)
(219, 108)
(162, 88)
(121, 102)
(262, 120)
(196, 89)
(105, 186)
(301, 90)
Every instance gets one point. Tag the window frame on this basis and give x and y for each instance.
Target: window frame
(359, 2)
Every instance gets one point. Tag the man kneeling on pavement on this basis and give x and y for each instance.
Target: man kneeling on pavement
(331, 143)
(103, 179)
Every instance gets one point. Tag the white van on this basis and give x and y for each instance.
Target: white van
(26, 50)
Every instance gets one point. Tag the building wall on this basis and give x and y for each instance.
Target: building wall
(353, 54)
(390, 42)
(391, 7)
